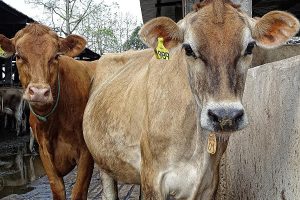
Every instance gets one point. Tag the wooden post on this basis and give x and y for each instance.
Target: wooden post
(246, 5)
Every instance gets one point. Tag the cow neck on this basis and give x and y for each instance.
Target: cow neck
(222, 141)
(44, 117)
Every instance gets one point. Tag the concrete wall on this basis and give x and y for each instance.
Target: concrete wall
(263, 161)
(246, 5)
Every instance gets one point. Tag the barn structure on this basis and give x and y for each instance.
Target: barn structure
(176, 9)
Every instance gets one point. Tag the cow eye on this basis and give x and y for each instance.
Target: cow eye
(189, 51)
(17, 56)
(56, 56)
(249, 48)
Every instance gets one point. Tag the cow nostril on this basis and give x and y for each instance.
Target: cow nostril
(47, 93)
(220, 115)
(213, 116)
(238, 115)
(31, 92)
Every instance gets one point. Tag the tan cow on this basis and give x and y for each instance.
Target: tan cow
(262, 56)
(57, 89)
(149, 123)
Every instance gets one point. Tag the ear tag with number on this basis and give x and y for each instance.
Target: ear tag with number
(2, 53)
(212, 143)
(161, 52)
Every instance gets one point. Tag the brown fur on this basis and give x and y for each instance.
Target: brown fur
(203, 3)
(6, 44)
(275, 34)
(149, 113)
(170, 33)
(60, 139)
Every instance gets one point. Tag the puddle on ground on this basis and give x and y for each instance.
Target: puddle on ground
(18, 166)
(17, 171)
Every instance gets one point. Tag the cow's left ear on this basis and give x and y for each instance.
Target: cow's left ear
(274, 29)
(72, 45)
(161, 27)
(7, 48)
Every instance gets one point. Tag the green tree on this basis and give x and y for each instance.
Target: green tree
(103, 24)
(65, 15)
(134, 41)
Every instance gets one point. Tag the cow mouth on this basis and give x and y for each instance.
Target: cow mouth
(223, 135)
(38, 103)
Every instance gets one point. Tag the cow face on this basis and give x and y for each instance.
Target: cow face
(37, 50)
(216, 40)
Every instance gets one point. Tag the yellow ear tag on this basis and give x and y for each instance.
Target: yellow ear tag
(212, 143)
(2, 53)
(161, 52)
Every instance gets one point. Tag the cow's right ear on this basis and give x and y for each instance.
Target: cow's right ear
(7, 48)
(72, 45)
(161, 27)
(274, 29)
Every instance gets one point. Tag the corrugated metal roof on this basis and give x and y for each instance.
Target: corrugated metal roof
(260, 7)
(154, 8)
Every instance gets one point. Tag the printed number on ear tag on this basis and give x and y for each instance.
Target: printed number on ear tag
(2, 53)
(161, 52)
(212, 143)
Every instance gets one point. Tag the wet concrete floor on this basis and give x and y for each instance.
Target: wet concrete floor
(40, 189)
(22, 175)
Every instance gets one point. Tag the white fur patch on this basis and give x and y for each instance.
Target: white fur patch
(246, 38)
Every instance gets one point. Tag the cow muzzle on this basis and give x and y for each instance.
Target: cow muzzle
(223, 117)
(38, 94)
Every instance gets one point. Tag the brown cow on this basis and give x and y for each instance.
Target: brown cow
(149, 123)
(56, 87)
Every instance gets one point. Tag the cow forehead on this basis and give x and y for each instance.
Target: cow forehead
(30, 45)
(216, 38)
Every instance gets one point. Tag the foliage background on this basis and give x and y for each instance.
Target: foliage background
(104, 26)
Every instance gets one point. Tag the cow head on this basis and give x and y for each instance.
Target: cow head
(37, 49)
(216, 40)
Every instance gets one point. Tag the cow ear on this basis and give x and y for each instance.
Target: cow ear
(7, 48)
(72, 45)
(274, 29)
(161, 27)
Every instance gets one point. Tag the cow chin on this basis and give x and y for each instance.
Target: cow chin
(223, 117)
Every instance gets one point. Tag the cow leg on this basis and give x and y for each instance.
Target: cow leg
(31, 141)
(56, 182)
(110, 187)
(85, 167)
(151, 189)
(23, 123)
(141, 197)
(5, 120)
(18, 126)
